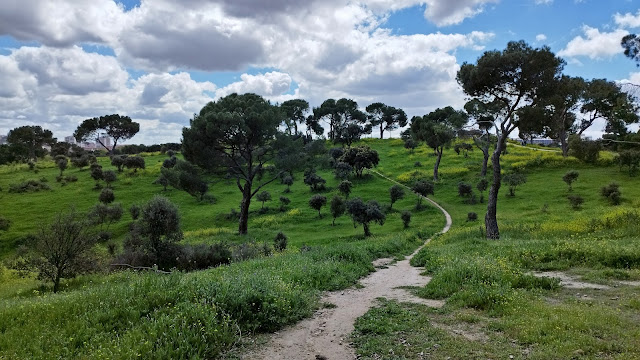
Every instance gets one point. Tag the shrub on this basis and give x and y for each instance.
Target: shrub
(482, 186)
(570, 177)
(343, 170)
(417, 164)
(345, 188)
(317, 202)
(284, 201)
(106, 196)
(61, 162)
(287, 180)
(360, 158)
(406, 218)
(464, 189)
(102, 214)
(338, 207)
(396, 192)
(587, 151)
(472, 216)
(576, 201)
(280, 242)
(134, 162)
(315, 181)
(202, 256)
(612, 193)
(630, 159)
(28, 186)
(263, 197)
(423, 189)
(4, 223)
(109, 176)
(134, 210)
(513, 181)
(118, 161)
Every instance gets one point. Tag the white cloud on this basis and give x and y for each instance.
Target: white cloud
(627, 20)
(446, 12)
(544, 2)
(541, 37)
(271, 84)
(595, 45)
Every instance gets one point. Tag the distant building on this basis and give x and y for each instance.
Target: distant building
(3, 139)
(70, 139)
(105, 140)
(545, 142)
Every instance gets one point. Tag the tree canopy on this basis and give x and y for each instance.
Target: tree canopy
(385, 117)
(295, 113)
(115, 126)
(27, 141)
(346, 122)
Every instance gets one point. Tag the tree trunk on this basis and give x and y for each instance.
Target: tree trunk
(435, 167)
(564, 145)
(366, 229)
(243, 224)
(381, 131)
(490, 219)
(485, 161)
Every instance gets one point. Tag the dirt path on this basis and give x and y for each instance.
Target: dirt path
(325, 336)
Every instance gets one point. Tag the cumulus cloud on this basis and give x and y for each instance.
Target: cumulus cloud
(445, 12)
(541, 37)
(544, 2)
(595, 45)
(627, 20)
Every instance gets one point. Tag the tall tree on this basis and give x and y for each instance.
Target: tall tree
(515, 77)
(437, 129)
(631, 45)
(295, 111)
(562, 107)
(605, 100)
(385, 117)
(239, 135)
(28, 140)
(344, 119)
(114, 126)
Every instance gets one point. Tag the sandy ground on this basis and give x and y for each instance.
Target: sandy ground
(325, 336)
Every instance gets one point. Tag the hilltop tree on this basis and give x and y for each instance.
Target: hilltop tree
(238, 135)
(515, 77)
(385, 117)
(561, 108)
(631, 45)
(605, 100)
(28, 140)
(294, 111)
(114, 126)
(437, 129)
(344, 120)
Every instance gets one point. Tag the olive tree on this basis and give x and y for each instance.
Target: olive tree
(338, 207)
(365, 213)
(515, 77)
(317, 202)
(396, 192)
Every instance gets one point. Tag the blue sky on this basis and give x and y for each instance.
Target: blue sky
(160, 61)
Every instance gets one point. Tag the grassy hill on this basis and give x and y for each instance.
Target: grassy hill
(487, 284)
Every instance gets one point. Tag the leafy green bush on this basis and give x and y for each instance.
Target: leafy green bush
(280, 242)
(612, 193)
(28, 186)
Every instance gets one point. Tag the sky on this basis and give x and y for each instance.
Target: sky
(161, 61)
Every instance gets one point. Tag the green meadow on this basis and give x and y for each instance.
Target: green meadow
(494, 305)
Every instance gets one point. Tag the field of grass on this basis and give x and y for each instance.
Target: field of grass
(495, 307)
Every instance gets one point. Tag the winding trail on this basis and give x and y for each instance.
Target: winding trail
(325, 335)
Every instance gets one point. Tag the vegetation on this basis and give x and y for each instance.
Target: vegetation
(115, 126)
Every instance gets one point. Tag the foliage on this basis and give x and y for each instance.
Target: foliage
(587, 151)
(109, 176)
(570, 177)
(102, 213)
(423, 189)
(288, 180)
(114, 126)
(280, 242)
(28, 186)
(365, 213)
(343, 170)
(472, 216)
(513, 181)
(385, 117)
(27, 141)
(118, 161)
(317, 202)
(360, 158)
(406, 218)
(338, 207)
(344, 118)
(134, 162)
(612, 193)
(482, 186)
(263, 197)
(284, 201)
(4, 223)
(576, 201)
(345, 187)
(106, 196)
(396, 192)
(184, 176)
(294, 110)
(134, 211)
(630, 159)
(465, 189)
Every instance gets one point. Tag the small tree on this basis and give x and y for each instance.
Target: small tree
(631, 159)
(134, 210)
(159, 225)
(343, 170)
(406, 218)
(315, 181)
(513, 181)
(134, 162)
(284, 201)
(102, 214)
(464, 189)
(280, 242)
(263, 197)
(288, 180)
(482, 186)
(109, 177)
(96, 174)
(62, 162)
(317, 202)
(396, 192)
(570, 177)
(338, 207)
(106, 196)
(62, 249)
(364, 214)
(423, 189)
(345, 187)
(612, 193)
(118, 161)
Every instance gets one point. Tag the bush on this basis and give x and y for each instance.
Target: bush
(630, 159)
(317, 202)
(472, 216)
(134, 162)
(513, 181)
(464, 189)
(284, 201)
(587, 151)
(263, 197)
(280, 242)
(201, 256)
(287, 180)
(417, 164)
(4, 223)
(345, 188)
(396, 192)
(109, 176)
(338, 207)
(343, 170)
(576, 201)
(134, 210)
(612, 193)
(315, 181)
(28, 186)
(406, 218)
(423, 189)
(106, 196)
(570, 177)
